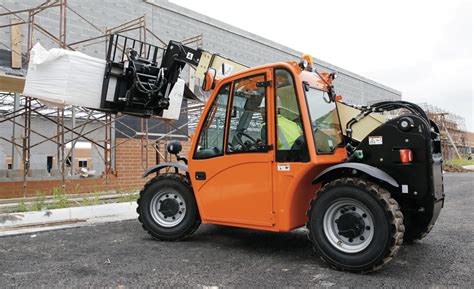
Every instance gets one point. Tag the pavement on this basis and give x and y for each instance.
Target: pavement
(121, 254)
(55, 219)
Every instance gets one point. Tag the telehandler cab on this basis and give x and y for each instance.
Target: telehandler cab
(276, 150)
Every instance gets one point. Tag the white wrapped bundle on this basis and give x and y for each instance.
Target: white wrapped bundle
(64, 77)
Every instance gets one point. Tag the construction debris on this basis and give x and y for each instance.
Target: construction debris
(454, 169)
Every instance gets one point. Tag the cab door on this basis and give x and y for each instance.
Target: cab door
(231, 170)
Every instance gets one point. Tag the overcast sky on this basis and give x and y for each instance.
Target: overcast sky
(422, 48)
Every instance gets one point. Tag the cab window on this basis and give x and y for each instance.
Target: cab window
(211, 138)
(247, 129)
(291, 142)
(324, 121)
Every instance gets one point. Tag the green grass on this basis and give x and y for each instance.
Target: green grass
(91, 200)
(39, 203)
(459, 162)
(22, 207)
(61, 200)
(125, 198)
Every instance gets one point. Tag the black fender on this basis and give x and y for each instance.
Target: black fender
(345, 169)
(177, 166)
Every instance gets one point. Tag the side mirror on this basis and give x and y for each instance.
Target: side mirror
(209, 78)
(174, 147)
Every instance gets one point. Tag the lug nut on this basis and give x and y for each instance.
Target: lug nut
(364, 215)
(181, 203)
(350, 240)
(167, 196)
(343, 211)
(367, 228)
(175, 196)
(353, 208)
(362, 238)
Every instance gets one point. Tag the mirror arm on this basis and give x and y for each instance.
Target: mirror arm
(331, 93)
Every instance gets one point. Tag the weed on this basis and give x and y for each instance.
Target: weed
(459, 162)
(91, 200)
(39, 202)
(60, 199)
(124, 198)
(77, 188)
(22, 207)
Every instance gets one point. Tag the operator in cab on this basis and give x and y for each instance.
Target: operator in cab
(287, 129)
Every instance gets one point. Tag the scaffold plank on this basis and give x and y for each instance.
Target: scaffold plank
(10, 83)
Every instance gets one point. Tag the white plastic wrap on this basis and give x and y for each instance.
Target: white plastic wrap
(176, 98)
(63, 77)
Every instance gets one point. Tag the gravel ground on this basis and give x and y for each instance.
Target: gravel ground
(121, 253)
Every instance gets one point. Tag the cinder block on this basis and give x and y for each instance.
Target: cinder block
(3, 173)
(38, 173)
(15, 173)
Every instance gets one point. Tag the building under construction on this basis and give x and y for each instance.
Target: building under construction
(82, 150)
(455, 139)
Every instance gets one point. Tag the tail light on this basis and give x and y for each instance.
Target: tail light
(406, 156)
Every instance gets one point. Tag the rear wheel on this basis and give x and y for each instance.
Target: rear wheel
(355, 225)
(167, 208)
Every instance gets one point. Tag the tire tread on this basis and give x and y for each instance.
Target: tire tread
(167, 176)
(391, 207)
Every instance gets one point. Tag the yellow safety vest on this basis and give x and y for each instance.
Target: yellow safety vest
(288, 132)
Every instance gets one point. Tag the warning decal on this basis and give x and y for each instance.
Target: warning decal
(375, 140)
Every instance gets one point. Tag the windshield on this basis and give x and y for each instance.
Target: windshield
(324, 121)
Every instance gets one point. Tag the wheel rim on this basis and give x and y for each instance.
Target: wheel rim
(168, 208)
(349, 225)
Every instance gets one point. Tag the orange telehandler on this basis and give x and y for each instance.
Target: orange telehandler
(276, 149)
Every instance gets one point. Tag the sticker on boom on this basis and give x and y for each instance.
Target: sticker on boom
(375, 140)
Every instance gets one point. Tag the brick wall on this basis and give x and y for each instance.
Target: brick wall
(127, 176)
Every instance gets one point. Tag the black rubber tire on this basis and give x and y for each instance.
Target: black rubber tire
(388, 223)
(191, 220)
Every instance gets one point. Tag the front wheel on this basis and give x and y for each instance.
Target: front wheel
(355, 225)
(167, 208)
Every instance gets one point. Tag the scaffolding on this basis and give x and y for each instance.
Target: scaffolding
(73, 123)
(453, 131)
